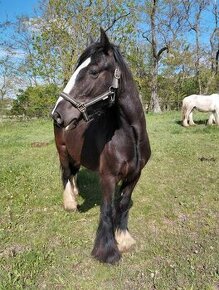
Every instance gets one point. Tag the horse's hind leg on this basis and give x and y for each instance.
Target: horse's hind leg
(185, 119)
(105, 247)
(123, 237)
(186, 115)
(70, 186)
(191, 122)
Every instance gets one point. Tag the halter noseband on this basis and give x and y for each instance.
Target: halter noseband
(108, 98)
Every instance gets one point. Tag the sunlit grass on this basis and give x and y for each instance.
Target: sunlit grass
(174, 217)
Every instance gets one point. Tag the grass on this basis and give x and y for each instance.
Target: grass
(174, 217)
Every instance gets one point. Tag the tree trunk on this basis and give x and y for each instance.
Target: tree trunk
(154, 103)
(197, 62)
(155, 106)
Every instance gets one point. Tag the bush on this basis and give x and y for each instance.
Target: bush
(35, 101)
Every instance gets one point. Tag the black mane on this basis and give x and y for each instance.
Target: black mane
(97, 47)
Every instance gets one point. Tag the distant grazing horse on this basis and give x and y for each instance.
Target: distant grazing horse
(99, 123)
(202, 103)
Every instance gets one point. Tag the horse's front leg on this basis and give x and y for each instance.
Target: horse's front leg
(211, 119)
(216, 117)
(69, 179)
(105, 247)
(123, 237)
(69, 194)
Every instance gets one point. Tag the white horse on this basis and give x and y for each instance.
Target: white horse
(202, 103)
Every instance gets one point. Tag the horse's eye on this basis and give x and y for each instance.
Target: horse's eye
(94, 73)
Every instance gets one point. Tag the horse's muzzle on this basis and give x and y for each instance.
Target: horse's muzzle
(69, 122)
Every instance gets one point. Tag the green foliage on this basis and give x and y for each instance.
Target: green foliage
(65, 28)
(35, 101)
(53, 42)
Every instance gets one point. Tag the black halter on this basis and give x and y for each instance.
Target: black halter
(106, 99)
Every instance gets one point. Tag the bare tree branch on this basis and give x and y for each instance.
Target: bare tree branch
(146, 37)
(117, 19)
(166, 48)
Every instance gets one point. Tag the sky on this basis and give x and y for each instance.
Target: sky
(9, 9)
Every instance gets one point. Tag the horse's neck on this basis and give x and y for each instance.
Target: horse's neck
(131, 106)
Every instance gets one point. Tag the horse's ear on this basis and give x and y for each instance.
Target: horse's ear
(104, 39)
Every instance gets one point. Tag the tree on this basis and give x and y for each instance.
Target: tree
(6, 81)
(164, 22)
(64, 29)
(194, 10)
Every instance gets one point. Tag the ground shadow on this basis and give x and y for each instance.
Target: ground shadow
(197, 122)
(201, 122)
(89, 189)
(178, 122)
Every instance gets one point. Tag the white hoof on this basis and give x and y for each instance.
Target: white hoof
(124, 240)
(185, 123)
(69, 201)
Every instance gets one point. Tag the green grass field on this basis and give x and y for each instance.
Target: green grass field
(174, 217)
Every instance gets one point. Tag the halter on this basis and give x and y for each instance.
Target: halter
(107, 99)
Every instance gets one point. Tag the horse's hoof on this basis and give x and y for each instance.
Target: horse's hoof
(110, 255)
(125, 241)
(69, 200)
(70, 205)
(185, 124)
(70, 209)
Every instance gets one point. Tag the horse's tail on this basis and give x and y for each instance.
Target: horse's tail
(184, 109)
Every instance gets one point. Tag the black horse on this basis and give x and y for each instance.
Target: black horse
(99, 123)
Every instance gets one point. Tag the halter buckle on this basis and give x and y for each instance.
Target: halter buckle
(81, 107)
(117, 73)
(116, 77)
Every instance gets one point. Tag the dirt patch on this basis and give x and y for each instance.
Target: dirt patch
(13, 251)
(39, 144)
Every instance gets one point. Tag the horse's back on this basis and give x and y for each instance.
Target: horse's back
(215, 95)
(190, 98)
(204, 103)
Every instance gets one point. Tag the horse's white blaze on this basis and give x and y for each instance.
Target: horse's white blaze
(72, 80)
(69, 197)
(124, 240)
(58, 101)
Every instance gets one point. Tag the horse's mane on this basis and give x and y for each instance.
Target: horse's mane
(97, 47)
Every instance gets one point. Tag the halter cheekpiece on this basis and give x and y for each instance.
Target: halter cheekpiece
(104, 100)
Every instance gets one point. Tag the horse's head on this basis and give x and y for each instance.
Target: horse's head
(94, 80)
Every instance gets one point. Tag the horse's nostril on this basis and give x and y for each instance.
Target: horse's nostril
(56, 116)
(59, 121)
